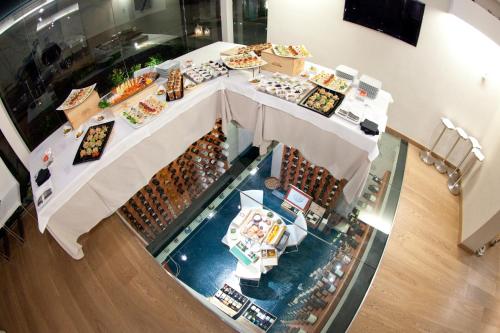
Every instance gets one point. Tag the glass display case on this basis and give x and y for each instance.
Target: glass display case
(285, 253)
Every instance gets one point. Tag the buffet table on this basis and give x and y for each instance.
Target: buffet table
(85, 194)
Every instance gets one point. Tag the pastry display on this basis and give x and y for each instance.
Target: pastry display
(257, 227)
(229, 300)
(175, 85)
(204, 72)
(330, 81)
(257, 48)
(285, 87)
(93, 143)
(322, 101)
(76, 97)
(291, 51)
(139, 115)
(243, 61)
(259, 317)
(275, 234)
(128, 89)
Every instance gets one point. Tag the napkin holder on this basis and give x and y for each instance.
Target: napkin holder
(369, 127)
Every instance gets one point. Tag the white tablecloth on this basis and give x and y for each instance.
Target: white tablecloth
(10, 199)
(85, 194)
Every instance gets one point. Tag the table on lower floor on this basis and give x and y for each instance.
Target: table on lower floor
(85, 194)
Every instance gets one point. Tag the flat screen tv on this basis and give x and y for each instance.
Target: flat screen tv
(401, 19)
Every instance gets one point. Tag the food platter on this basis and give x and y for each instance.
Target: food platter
(93, 143)
(175, 85)
(331, 81)
(257, 226)
(142, 113)
(285, 87)
(205, 72)
(257, 48)
(243, 61)
(76, 97)
(291, 51)
(129, 88)
(322, 101)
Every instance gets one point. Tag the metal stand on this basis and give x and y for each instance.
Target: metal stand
(441, 164)
(455, 186)
(453, 174)
(426, 155)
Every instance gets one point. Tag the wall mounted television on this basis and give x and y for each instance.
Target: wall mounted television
(401, 19)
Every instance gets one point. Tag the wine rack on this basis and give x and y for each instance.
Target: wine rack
(313, 180)
(171, 191)
(323, 290)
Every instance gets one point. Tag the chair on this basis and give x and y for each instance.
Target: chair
(248, 275)
(252, 199)
(298, 231)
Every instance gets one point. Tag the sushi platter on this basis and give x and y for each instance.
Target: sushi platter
(322, 101)
(205, 72)
(175, 85)
(291, 51)
(257, 48)
(129, 88)
(243, 61)
(285, 87)
(330, 81)
(142, 113)
(93, 143)
(76, 97)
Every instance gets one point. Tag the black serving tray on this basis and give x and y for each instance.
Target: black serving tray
(332, 110)
(79, 159)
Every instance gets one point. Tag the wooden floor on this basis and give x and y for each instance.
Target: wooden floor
(425, 282)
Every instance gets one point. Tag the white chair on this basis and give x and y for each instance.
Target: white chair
(297, 230)
(248, 275)
(252, 199)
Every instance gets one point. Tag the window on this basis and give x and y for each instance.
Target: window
(49, 47)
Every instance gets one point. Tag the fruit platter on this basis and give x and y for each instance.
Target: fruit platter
(143, 112)
(93, 143)
(243, 61)
(129, 88)
(291, 51)
(322, 101)
(76, 97)
(331, 81)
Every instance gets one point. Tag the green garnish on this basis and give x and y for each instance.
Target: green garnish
(104, 104)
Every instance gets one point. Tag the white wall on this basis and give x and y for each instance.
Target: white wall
(442, 76)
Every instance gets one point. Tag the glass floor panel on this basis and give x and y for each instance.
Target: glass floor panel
(317, 284)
